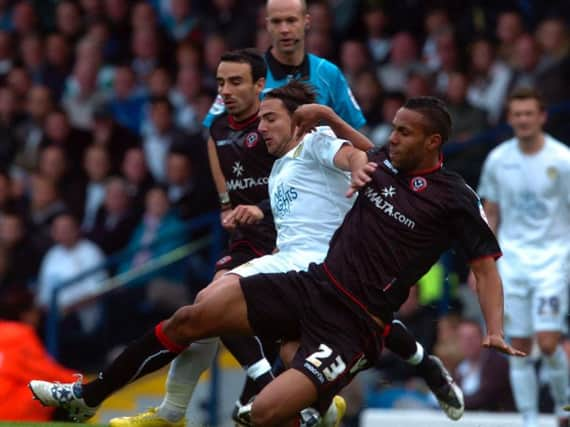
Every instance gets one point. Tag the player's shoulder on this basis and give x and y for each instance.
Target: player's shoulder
(220, 121)
(455, 185)
(504, 151)
(557, 147)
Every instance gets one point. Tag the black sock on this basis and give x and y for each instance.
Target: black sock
(147, 354)
(400, 341)
(431, 373)
(248, 351)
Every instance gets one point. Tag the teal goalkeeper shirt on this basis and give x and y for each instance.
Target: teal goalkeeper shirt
(325, 77)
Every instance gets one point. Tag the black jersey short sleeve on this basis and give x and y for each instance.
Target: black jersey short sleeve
(474, 237)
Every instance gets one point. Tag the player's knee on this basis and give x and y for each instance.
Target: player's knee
(548, 345)
(263, 413)
(186, 323)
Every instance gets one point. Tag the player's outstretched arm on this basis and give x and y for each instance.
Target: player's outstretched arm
(307, 116)
(490, 292)
(350, 159)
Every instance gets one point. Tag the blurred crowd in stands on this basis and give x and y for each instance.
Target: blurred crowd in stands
(102, 148)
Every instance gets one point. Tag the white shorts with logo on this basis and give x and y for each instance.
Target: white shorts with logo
(280, 262)
(535, 304)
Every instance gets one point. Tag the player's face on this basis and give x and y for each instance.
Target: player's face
(410, 144)
(286, 24)
(275, 126)
(238, 90)
(526, 118)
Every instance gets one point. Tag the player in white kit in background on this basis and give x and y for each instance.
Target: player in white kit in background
(525, 183)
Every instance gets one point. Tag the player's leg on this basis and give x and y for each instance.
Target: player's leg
(281, 401)
(549, 323)
(519, 329)
(183, 376)
(402, 342)
(224, 311)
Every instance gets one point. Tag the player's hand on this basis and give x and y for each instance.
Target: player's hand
(244, 215)
(497, 342)
(307, 116)
(360, 177)
(224, 215)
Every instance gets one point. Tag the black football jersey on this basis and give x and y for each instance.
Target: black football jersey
(246, 165)
(399, 226)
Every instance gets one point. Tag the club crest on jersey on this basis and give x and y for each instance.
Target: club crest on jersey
(251, 139)
(552, 172)
(418, 183)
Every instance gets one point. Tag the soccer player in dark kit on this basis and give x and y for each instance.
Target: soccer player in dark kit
(409, 210)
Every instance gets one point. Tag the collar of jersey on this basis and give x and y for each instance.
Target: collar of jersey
(428, 170)
(244, 123)
(279, 70)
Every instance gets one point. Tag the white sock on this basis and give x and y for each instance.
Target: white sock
(183, 376)
(258, 369)
(557, 370)
(418, 356)
(525, 389)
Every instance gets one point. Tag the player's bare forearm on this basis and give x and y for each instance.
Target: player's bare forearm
(493, 216)
(490, 293)
(217, 174)
(308, 116)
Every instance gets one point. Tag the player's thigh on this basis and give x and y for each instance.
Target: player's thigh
(550, 305)
(283, 398)
(518, 315)
(222, 311)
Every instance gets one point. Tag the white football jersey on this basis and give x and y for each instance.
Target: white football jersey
(307, 194)
(533, 194)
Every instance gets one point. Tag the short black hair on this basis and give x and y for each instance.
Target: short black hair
(248, 56)
(293, 94)
(438, 119)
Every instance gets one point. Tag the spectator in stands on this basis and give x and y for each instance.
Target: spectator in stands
(68, 20)
(393, 101)
(160, 231)
(24, 256)
(52, 165)
(8, 121)
(7, 200)
(45, 203)
(58, 131)
(116, 139)
(553, 39)
(146, 53)
(526, 62)
(214, 46)
(24, 19)
(354, 58)
(448, 58)
(436, 22)
(483, 374)
(87, 195)
(6, 52)
(368, 93)
(81, 105)
(32, 55)
(92, 11)
(509, 28)
(116, 13)
(20, 82)
(164, 135)
(181, 23)
(126, 104)
(489, 80)
(39, 103)
(316, 42)
(70, 256)
(115, 220)
(227, 17)
(468, 120)
(188, 55)
(184, 97)
(58, 64)
(419, 83)
(403, 60)
(23, 357)
(139, 180)
(188, 193)
(378, 40)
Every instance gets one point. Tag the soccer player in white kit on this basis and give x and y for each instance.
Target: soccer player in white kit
(526, 186)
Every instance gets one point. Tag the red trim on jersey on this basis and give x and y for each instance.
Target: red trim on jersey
(495, 256)
(167, 342)
(235, 125)
(343, 290)
(249, 245)
(386, 331)
(429, 170)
